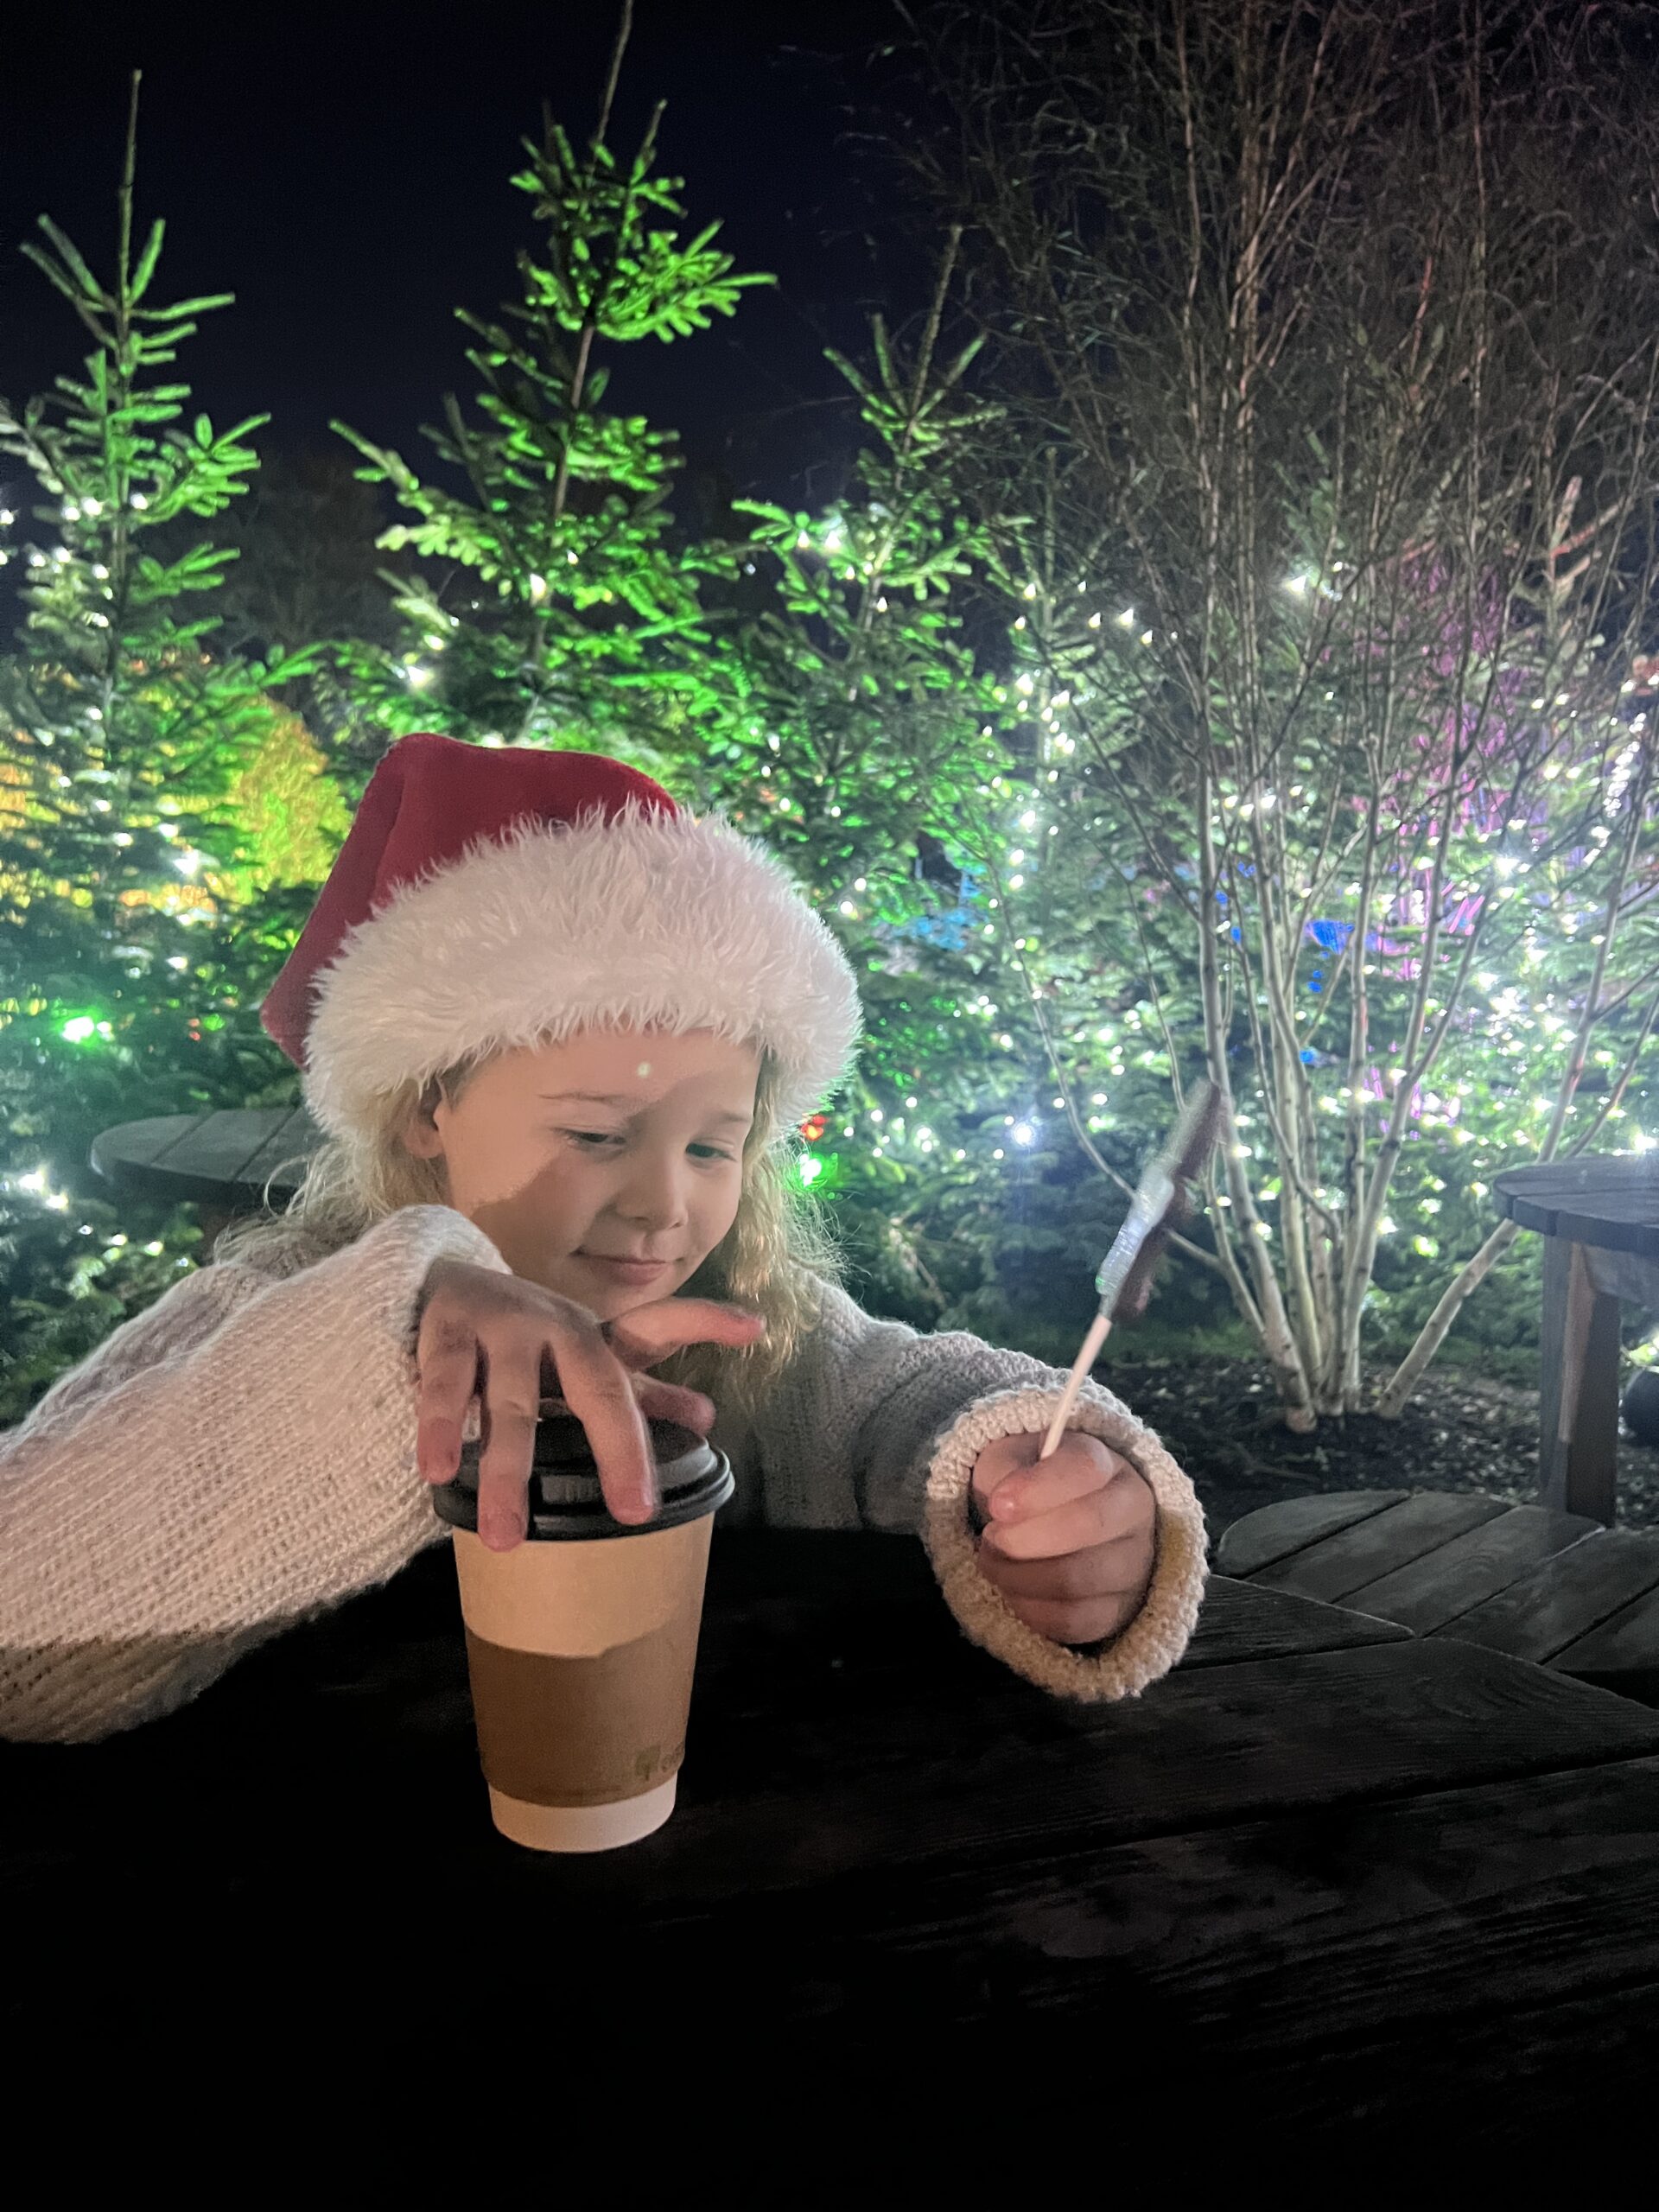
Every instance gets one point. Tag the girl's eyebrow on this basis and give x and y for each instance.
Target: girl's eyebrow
(621, 1098)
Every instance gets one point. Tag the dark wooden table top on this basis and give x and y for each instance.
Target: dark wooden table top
(227, 1158)
(1559, 1589)
(1611, 1202)
(1324, 1871)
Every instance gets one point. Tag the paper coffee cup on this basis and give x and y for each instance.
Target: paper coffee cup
(581, 1642)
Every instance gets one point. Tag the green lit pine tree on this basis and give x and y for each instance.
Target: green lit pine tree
(568, 613)
(857, 731)
(136, 942)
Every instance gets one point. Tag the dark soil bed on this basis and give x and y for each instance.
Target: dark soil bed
(1220, 1421)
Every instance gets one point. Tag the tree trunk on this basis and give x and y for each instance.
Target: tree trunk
(1408, 1374)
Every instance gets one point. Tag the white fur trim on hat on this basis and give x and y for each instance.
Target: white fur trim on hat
(643, 919)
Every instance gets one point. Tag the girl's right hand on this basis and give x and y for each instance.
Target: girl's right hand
(492, 1336)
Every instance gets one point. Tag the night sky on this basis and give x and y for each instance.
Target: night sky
(345, 172)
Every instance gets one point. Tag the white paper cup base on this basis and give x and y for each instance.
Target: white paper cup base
(583, 1828)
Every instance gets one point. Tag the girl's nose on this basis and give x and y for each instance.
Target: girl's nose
(654, 1194)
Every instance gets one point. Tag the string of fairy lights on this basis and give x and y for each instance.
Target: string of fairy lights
(1517, 1022)
(1518, 1025)
(80, 586)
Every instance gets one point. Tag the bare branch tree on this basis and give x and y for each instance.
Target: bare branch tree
(1337, 330)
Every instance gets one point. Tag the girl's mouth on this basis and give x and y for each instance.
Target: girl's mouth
(626, 1270)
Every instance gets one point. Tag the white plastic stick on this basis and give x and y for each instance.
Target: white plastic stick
(1085, 1360)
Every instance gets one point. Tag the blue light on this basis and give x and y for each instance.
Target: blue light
(1024, 1133)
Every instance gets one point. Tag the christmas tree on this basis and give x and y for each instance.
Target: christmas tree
(156, 807)
(568, 611)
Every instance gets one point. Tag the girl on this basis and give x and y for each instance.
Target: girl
(557, 1033)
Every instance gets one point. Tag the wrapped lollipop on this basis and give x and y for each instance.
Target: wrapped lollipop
(1162, 1201)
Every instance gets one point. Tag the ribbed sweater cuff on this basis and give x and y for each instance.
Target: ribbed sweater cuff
(1148, 1646)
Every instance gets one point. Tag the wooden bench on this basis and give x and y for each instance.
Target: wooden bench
(1557, 1588)
(1600, 1221)
(226, 1163)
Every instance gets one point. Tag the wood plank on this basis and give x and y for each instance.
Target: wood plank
(1562, 1598)
(199, 1161)
(1326, 1969)
(1274, 1532)
(826, 1737)
(1321, 1953)
(1577, 1446)
(843, 1782)
(823, 1586)
(1588, 1222)
(1629, 1180)
(1608, 1202)
(1622, 1654)
(1376, 1546)
(861, 1788)
(1554, 1399)
(1470, 1568)
(1524, 1210)
(1239, 1622)
(916, 1759)
(894, 1628)
(134, 1145)
(219, 1149)
(281, 1159)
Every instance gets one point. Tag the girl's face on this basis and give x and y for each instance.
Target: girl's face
(615, 1145)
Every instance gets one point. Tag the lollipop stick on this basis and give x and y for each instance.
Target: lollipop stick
(1085, 1360)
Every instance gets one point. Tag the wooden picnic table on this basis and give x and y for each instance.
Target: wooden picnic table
(1555, 1588)
(1600, 1221)
(1323, 1873)
(228, 1163)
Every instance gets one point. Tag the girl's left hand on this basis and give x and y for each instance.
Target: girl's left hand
(1069, 1543)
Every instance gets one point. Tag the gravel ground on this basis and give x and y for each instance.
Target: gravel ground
(1461, 1431)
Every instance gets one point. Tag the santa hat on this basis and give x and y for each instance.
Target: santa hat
(494, 898)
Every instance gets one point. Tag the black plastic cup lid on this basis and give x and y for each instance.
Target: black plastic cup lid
(566, 1500)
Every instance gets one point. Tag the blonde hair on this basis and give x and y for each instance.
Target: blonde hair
(774, 1260)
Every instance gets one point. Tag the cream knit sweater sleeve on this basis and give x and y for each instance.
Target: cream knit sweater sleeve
(236, 1459)
(874, 1426)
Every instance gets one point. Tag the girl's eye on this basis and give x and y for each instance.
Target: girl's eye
(600, 1137)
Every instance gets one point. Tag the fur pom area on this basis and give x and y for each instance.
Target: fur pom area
(644, 919)
(1148, 1646)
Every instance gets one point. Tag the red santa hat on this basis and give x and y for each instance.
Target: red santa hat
(492, 897)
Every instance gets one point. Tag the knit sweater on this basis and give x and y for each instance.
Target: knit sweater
(241, 1457)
